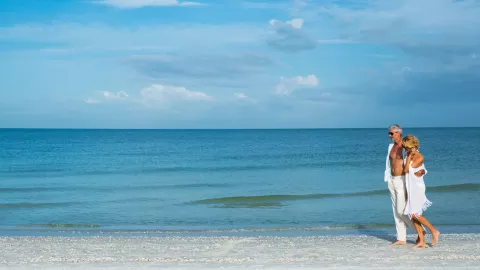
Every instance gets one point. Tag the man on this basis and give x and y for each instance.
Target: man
(395, 177)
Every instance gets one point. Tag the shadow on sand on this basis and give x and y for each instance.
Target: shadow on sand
(382, 234)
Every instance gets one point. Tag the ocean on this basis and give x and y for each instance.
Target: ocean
(224, 182)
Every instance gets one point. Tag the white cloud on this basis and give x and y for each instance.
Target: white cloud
(145, 3)
(91, 101)
(167, 93)
(241, 99)
(104, 96)
(288, 85)
(406, 69)
(155, 96)
(289, 36)
(240, 96)
(294, 23)
(114, 96)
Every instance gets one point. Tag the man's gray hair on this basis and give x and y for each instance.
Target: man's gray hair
(396, 127)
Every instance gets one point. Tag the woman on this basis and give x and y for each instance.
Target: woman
(417, 202)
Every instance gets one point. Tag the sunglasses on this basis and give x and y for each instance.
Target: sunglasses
(391, 133)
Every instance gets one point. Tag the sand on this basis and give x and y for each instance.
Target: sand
(455, 251)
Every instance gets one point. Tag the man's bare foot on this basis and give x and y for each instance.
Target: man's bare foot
(399, 243)
(418, 237)
(420, 245)
(435, 236)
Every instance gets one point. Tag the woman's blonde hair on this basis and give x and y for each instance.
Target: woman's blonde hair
(410, 142)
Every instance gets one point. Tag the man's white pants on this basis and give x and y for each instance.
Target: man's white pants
(397, 192)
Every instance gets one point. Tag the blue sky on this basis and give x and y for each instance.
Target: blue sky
(239, 64)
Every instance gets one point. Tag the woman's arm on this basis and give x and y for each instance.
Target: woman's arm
(418, 160)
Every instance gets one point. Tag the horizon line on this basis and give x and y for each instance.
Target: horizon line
(280, 128)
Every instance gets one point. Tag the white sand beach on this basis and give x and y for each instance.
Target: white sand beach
(454, 251)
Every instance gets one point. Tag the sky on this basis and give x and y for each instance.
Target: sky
(239, 63)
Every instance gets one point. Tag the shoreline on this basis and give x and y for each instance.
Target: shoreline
(86, 230)
(454, 251)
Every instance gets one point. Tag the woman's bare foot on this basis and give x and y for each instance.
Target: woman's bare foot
(398, 243)
(418, 237)
(435, 236)
(420, 245)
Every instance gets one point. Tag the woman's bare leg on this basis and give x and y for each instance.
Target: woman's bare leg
(435, 232)
(421, 237)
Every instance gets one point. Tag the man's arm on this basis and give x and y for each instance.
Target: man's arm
(420, 173)
(407, 163)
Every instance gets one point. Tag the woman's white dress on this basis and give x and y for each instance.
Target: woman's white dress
(417, 201)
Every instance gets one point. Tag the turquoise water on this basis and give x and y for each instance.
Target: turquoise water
(225, 181)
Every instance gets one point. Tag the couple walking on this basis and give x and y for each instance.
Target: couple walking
(407, 188)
